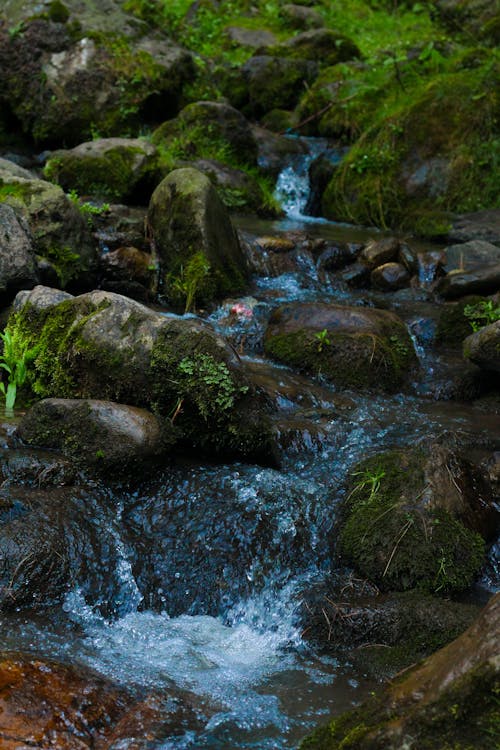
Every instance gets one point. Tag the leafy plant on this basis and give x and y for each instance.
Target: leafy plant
(14, 360)
(208, 384)
(322, 339)
(482, 313)
(190, 282)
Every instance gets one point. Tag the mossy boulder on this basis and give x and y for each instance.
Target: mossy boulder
(417, 519)
(210, 130)
(324, 46)
(483, 347)
(61, 233)
(199, 250)
(101, 345)
(449, 702)
(17, 259)
(65, 86)
(453, 324)
(411, 167)
(100, 435)
(116, 169)
(356, 347)
(300, 17)
(271, 82)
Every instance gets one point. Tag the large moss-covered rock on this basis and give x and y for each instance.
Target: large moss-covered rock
(356, 347)
(415, 519)
(198, 247)
(64, 85)
(113, 168)
(17, 259)
(449, 702)
(210, 129)
(102, 435)
(273, 82)
(412, 166)
(101, 345)
(61, 233)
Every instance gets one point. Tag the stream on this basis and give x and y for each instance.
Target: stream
(193, 580)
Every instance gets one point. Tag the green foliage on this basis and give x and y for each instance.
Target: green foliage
(15, 360)
(86, 208)
(209, 385)
(322, 339)
(67, 264)
(191, 283)
(482, 313)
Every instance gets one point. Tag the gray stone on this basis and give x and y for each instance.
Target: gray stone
(100, 435)
(17, 261)
(378, 252)
(390, 276)
(252, 38)
(301, 17)
(481, 280)
(466, 255)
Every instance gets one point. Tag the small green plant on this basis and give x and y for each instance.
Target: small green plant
(14, 360)
(482, 313)
(88, 209)
(208, 384)
(322, 340)
(190, 282)
(370, 480)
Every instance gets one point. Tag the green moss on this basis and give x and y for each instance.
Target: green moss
(411, 167)
(453, 325)
(463, 717)
(67, 264)
(110, 175)
(392, 542)
(358, 360)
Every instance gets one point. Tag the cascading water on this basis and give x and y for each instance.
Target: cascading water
(194, 580)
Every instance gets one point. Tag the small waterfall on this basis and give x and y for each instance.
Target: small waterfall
(292, 186)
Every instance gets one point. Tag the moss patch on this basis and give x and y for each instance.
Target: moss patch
(393, 541)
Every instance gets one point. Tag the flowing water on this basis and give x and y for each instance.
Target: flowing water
(193, 581)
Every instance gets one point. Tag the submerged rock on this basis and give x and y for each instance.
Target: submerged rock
(356, 347)
(48, 704)
(199, 250)
(101, 435)
(417, 519)
(450, 700)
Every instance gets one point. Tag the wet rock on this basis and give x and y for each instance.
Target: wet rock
(74, 708)
(378, 252)
(355, 347)
(415, 519)
(390, 276)
(61, 89)
(36, 468)
(336, 256)
(101, 435)
(301, 17)
(320, 173)
(275, 244)
(324, 46)
(121, 226)
(384, 633)
(198, 247)
(275, 150)
(480, 225)
(479, 280)
(272, 82)
(447, 701)
(112, 348)
(408, 258)
(473, 254)
(17, 260)
(357, 275)
(61, 232)
(129, 271)
(111, 168)
(205, 126)
(483, 347)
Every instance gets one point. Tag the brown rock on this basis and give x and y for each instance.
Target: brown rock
(378, 252)
(390, 276)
